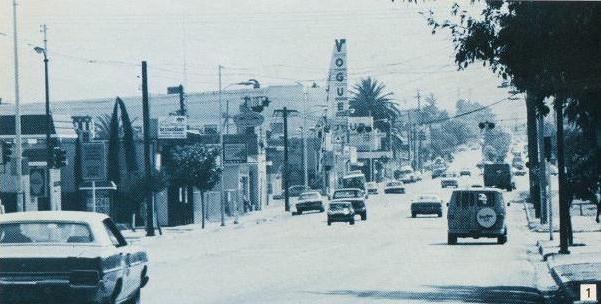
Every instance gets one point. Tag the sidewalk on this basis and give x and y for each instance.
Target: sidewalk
(583, 264)
(270, 213)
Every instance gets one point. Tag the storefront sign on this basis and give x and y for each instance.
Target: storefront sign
(172, 127)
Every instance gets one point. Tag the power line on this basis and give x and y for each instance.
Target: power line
(435, 121)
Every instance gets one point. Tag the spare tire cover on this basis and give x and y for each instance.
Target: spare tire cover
(486, 217)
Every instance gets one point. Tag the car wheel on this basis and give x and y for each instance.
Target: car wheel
(299, 212)
(502, 240)
(413, 214)
(352, 222)
(321, 209)
(364, 216)
(439, 214)
(329, 223)
(452, 239)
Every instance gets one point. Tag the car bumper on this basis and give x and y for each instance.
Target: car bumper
(372, 191)
(340, 218)
(478, 233)
(58, 291)
(309, 206)
(395, 190)
(426, 210)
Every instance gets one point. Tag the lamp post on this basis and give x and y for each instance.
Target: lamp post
(43, 51)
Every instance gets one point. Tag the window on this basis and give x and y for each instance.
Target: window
(45, 232)
(114, 234)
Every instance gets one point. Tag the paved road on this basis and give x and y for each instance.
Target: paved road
(391, 257)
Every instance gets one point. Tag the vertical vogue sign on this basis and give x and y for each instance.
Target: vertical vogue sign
(338, 76)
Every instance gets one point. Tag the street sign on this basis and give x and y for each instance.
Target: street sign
(234, 153)
(37, 182)
(172, 127)
(93, 161)
(248, 119)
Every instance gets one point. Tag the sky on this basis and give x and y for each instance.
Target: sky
(95, 48)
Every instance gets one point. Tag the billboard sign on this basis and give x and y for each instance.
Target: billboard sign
(93, 161)
(248, 119)
(337, 79)
(172, 127)
(234, 153)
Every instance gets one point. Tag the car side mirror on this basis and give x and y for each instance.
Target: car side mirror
(447, 204)
(508, 204)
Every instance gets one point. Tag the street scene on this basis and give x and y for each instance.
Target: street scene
(300, 152)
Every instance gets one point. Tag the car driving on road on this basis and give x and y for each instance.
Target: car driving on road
(394, 187)
(475, 213)
(372, 188)
(465, 172)
(449, 179)
(341, 211)
(68, 256)
(308, 201)
(426, 204)
(357, 199)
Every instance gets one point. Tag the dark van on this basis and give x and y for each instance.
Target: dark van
(477, 213)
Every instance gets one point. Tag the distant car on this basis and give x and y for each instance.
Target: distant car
(394, 187)
(519, 171)
(465, 172)
(409, 178)
(278, 196)
(356, 197)
(553, 170)
(296, 190)
(66, 256)
(372, 188)
(426, 204)
(476, 213)
(308, 201)
(449, 179)
(437, 172)
(341, 211)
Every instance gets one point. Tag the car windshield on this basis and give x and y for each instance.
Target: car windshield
(339, 206)
(346, 194)
(45, 232)
(427, 197)
(310, 196)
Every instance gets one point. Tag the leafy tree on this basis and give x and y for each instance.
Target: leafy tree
(135, 194)
(194, 165)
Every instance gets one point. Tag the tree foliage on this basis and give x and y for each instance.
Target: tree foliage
(193, 165)
(370, 95)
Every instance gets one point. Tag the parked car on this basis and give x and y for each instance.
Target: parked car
(296, 190)
(394, 187)
(372, 188)
(519, 171)
(278, 196)
(310, 200)
(476, 213)
(437, 172)
(67, 255)
(356, 197)
(341, 211)
(449, 179)
(426, 204)
(465, 172)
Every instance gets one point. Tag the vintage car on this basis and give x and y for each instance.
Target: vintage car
(310, 200)
(341, 210)
(449, 179)
(426, 204)
(394, 187)
(356, 197)
(372, 188)
(69, 257)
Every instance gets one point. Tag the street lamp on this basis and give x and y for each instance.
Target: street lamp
(42, 51)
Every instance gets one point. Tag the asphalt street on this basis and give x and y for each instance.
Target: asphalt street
(390, 258)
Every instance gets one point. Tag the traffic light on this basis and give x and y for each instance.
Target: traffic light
(487, 124)
(7, 151)
(59, 158)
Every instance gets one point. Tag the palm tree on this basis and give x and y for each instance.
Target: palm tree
(370, 95)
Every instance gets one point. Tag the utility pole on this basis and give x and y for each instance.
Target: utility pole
(221, 143)
(418, 132)
(533, 152)
(564, 206)
(286, 194)
(18, 142)
(147, 161)
(304, 133)
(182, 106)
(371, 159)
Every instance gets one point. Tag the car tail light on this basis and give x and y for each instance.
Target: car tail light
(84, 277)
